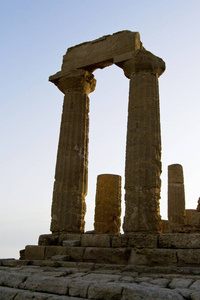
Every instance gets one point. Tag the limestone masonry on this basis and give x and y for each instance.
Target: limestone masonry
(143, 228)
(143, 149)
(108, 204)
(154, 258)
(176, 195)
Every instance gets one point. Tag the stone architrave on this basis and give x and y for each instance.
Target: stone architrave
(108, 204)
(143, 149)
(70, 186)
(176, 195)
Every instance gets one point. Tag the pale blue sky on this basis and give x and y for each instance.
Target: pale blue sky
(34, 35)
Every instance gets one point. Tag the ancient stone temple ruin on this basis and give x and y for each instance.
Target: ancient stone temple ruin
(143, 151)
(153, 258)
(143, 241)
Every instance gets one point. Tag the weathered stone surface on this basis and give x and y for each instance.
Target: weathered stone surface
(72, 253)
(46, 284)
(108, 204)
(7, 293)
(198, 205)
(136, 240)
(48, 239)
(186, 293)
(101, 277)
(106, 255)
(165, 225)
(51, 251)
(137, 291)
(70, 186)
(95, 240)
(142, 61)
(142, 240)
(71, 243)
(143, 149)
(162, 256)
(75, 253)
(176, 194)
(111, 291)
(34, 252)
(195, 285)
(120, 241)
(11, 262)
(142, 279)
(127, 279)
(162, 282)
(137, 257)
(195, 220)
(100, 53)
(69, 236)
(22, 254)
(180, 283)
(78, 288)
(189, 256)
(90, 281)
(11, 279)
(194, 296)
(189, 213)
(60, 257)
(24, 295)
(178, 241)
(153, 256)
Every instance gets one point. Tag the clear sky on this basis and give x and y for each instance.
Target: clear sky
(34, 36)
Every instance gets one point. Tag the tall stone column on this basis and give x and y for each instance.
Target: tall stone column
(143, 149)
(70, 186)
(176, 195)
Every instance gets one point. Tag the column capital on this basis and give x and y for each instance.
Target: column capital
(143, 61)
(76, 80)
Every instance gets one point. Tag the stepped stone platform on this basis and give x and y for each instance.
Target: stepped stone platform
(179, 249)
(61, 280)
(93, 266)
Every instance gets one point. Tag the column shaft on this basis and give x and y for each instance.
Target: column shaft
(108, 204)
(143, 155)
(143, 149)
(176, 194)
(70, 186)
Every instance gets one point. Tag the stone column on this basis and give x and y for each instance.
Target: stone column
(176, 194)
(143, 149)
(108, 204)
(70, 186)
(189, 213)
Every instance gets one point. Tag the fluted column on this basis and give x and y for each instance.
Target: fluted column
(176, 195)
(70, 186)
(143, 149)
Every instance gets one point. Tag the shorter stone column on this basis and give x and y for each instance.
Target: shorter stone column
(189, 213)
(176, 194)
(198, 205)
(108, 204)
